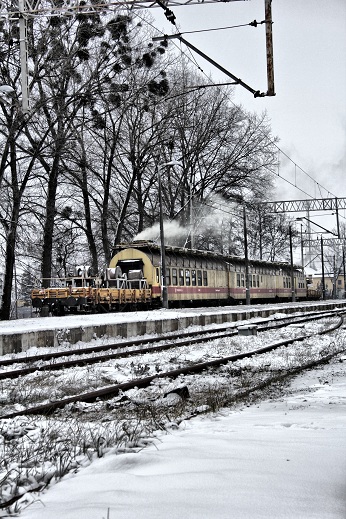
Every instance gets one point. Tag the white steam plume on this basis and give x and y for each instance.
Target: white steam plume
(172, 231)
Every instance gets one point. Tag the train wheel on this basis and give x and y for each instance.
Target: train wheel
(37, 303)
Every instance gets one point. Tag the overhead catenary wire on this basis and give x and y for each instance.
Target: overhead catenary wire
(251, 24)
(270, 140)
(101, 5)
(171, 17)
(293, 184)
(225, 93)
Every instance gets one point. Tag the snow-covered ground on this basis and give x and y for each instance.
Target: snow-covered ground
(281, 458)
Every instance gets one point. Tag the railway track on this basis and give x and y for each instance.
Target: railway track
(141, 346)
(114, 390)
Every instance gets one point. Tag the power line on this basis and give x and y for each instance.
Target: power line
(283, 153)
(251, 24)
(271, 140)
(77, 7)
(71, 7)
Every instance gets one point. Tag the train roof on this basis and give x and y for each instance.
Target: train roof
(151, 247)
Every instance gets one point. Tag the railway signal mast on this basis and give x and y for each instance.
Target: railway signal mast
(31, 9)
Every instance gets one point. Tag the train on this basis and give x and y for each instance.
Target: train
(133, 280)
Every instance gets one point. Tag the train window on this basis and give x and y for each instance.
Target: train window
(168, 277)
(238, 280)
(257, 278)
(250, 281)
(199, 278)
(157, 275)
(205, 278)
(174, 277)
(181, 277)
(187, 278)
(193, 278)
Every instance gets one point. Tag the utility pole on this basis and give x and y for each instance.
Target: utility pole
(292, 269)
(192, 233)
(23, 47)
(323, 279)
(335, 277)
(247, 278)
(164, 289)
(343, 263)
(269, 45)
(301, 246)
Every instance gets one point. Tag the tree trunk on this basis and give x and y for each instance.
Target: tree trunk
(87, 213)
(48, 230)
(5, 312)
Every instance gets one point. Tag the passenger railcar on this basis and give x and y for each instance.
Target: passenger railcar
(193, 277)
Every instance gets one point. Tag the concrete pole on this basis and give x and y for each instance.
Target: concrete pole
(247, 278)
(292, 269)
(164, 290)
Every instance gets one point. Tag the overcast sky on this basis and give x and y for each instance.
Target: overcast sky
(308, 113)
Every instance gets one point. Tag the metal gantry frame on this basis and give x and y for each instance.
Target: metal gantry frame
(78, 6)
(312, 204)
(324, 204)
(306, 206)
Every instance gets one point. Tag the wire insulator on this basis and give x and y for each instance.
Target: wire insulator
(170, 16)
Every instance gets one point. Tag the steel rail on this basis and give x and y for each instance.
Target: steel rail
(138, 342)
(111, 391)
(195, 338)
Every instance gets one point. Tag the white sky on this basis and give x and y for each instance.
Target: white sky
(308, 113)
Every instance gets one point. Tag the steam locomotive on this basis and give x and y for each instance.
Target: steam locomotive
(134, 280)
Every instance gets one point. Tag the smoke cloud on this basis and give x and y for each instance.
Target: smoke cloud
(173, 231)
(208, 218)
